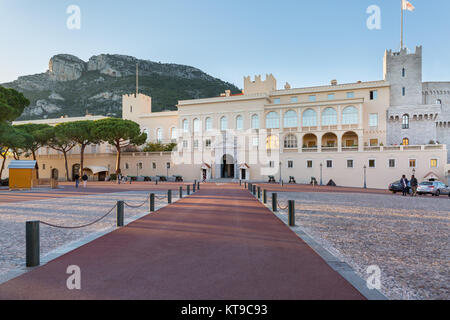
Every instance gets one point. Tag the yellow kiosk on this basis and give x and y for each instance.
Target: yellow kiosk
(22, 174)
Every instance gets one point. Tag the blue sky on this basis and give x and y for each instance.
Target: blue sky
(302, 42)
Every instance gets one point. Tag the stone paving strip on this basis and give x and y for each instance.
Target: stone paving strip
(408, 238)
(73, 211)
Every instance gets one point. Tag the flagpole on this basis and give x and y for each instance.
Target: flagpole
(401, 39)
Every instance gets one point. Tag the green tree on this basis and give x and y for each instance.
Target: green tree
(60, 141)
(82, 133)
(10, 139)
(159, 147)
(39, 138)
(119, 133)
(12, 104)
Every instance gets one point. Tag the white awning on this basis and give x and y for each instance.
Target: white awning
(244, 166)
(205, 166)
(96, 169)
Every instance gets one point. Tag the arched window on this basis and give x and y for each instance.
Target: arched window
(405, 121)
(197, 125)
(290, 141)
(290, 119)
(272, 120)
(309, 118)
(208, 124)
(350, 115)
(272, 142)
(405, 142)
(223, 123)
(239, 123)
(159, 135)
(255, 121)
(173, 134)
(439, 101)
(329, 117)
(185, 126)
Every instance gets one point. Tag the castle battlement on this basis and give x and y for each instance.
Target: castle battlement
(258, 85)
(404, 52)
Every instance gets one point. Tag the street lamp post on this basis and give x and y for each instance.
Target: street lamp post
(365, 177)
(321, 181)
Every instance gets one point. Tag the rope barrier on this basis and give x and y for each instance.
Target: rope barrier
(137, 206)
(79, 227)
(282, 207)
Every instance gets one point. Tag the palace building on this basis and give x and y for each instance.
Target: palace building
(353, 134)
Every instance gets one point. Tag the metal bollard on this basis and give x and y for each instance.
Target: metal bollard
(240, 182)
(193, 188)
(245, 185)
(152, 202)
(188, 192)
(181, 192)
(169, 196)
(259, 192)
(274, 202)
(264, 196)
(250, 187)
(119, 213)
(198, 185)
(291, 213)
(32, 244)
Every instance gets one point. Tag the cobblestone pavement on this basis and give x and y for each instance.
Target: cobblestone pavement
(408, 238)
(69, 211)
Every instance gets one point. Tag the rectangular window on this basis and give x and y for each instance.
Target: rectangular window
(391, 163)
(349, 163)
(373, 142)
(372, 163)
(255, 141)
(373, 95)
(412, 163)
(43, 166)
(329, 163)
(403, 91)
(185, 143)
(290, 164)
(373, 120)
(309, 164)
(276, 101)
(294, 99)
(331, 96)
(271, 164)
(154, 165)
(312, 98)
(403, 72)
(195, 143)
(168, 165)
(433, 163)
(350, 95)
(208, 143)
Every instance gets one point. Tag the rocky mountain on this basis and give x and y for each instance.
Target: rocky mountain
(74, 87)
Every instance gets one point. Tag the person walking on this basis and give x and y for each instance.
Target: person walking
(85, 180)
(414, 184)
(119, 178)
(77, 180)
(404, 183)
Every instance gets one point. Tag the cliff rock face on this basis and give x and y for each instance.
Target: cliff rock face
(73, 87)
(65, 67)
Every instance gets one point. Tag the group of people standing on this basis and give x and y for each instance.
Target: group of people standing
(413, 183)
(84, 178)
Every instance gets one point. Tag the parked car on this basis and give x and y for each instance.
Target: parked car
(396, 186)
(435, 188)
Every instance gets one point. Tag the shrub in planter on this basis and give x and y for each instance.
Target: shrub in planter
(147, 179)
(113, 177)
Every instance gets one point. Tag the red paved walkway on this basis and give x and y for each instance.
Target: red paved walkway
(220, 243)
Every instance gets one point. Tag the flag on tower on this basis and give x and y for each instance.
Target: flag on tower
(407, 5)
